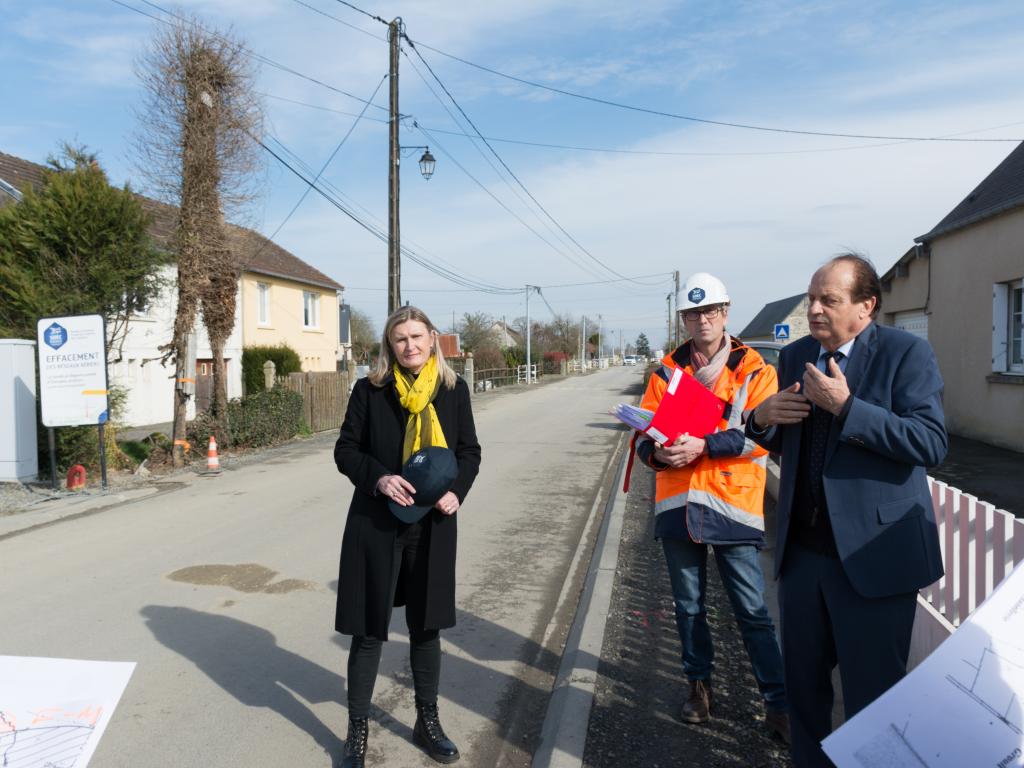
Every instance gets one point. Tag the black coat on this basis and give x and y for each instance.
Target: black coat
(369, 447)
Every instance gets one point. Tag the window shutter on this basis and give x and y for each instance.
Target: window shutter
(1000, 331)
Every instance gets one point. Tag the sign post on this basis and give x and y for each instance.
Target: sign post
(73, 377)
(782, 331)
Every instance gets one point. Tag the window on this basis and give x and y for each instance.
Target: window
(310, 309)
(1008, 327)
(263, 289)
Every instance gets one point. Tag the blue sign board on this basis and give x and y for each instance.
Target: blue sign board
(782, 331)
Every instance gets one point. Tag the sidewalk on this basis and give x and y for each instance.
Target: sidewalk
(995, 475)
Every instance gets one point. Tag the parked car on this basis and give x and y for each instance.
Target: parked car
(769, 350)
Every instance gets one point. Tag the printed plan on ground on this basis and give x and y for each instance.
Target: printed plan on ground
(54, 711)
(962, 706)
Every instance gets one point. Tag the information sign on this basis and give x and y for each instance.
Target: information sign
(72, 370)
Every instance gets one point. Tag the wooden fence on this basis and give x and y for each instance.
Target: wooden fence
(980, 546)
(324, 397)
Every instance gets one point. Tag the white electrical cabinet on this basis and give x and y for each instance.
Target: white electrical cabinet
(19, 456)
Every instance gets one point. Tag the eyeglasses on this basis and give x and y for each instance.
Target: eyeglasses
(708, 312)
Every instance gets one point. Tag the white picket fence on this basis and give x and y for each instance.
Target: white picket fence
(980, 546)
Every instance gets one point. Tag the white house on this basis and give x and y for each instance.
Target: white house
(149, 382)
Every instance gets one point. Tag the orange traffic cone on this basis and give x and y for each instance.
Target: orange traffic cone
(212, 461)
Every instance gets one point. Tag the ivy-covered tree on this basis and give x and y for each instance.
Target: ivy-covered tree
(75, 246)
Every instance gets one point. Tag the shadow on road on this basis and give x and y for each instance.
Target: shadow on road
(246, 661)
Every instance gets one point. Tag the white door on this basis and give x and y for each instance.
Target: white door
(912, 322)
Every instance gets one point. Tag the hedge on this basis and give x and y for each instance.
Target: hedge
(259, 419)
(285, 358)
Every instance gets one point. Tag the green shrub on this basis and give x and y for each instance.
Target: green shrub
(265, 418)
(285, 358)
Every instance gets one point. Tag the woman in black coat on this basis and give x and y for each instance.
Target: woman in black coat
(410, 401)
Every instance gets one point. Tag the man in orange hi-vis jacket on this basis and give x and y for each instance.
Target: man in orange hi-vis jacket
(710, 491)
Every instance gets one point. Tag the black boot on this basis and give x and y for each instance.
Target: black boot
(355, 744)
(429, 734)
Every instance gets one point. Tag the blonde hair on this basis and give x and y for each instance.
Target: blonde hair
(386, 360)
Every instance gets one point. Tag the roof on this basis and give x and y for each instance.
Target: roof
(1001, 191)
(764, 321)
(900, 269)
(256, 253)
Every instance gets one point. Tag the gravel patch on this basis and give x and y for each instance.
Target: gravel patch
(641, 686)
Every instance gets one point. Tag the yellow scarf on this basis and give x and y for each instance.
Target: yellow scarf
(416, 396)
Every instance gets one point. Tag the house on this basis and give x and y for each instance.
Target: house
(791, 311)
(961, 287)
(505, 336)
(286, 301)
(280, 298)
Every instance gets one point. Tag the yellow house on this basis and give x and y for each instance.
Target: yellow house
(285, 300)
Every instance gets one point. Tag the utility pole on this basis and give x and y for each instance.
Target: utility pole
(668, 301)
(394, 153)
(600, 328)
(583, 354)
(677, 335)
(528, 289)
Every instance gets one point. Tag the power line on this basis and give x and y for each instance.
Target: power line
(674, 115)
(566, 255)
(640, 152)
(412, 255)
(244, 50)
(323, 168)
(703, 120)
(341, 21)
(504, 164)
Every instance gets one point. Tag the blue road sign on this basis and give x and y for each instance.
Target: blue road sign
(782, 331)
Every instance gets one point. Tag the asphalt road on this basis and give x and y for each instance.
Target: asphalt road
(223, 592)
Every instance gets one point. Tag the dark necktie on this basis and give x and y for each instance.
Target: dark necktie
(821, 422)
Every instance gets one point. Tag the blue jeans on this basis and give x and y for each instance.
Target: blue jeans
(740, 569)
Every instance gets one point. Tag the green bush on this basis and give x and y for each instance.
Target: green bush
(259, 419)
(285, 358)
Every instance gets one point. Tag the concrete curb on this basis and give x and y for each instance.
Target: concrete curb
(564, 732)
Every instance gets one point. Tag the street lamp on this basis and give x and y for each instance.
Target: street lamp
(427, 164)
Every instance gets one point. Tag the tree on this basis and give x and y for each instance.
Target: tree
(363, 335)
(475, 331)
(76, 246)
(197, 146)
(643, 346)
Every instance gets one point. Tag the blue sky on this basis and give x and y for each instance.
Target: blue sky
(759, 209)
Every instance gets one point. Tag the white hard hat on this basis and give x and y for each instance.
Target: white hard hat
(702, 290)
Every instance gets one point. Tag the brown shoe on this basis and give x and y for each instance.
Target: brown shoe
(778, 725)
(697, 708)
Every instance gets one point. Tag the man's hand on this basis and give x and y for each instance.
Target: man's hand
(785, 407)
(826, 391)
(683, 451)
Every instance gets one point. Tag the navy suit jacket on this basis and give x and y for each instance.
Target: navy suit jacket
(874, 474)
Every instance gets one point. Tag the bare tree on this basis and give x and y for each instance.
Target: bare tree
(196, 148)
(364, 337)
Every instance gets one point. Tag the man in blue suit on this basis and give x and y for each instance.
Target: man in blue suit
(857, 419)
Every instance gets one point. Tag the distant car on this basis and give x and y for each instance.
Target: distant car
(769, 350)
(630, 360)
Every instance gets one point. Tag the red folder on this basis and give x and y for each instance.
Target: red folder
(686, 408)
